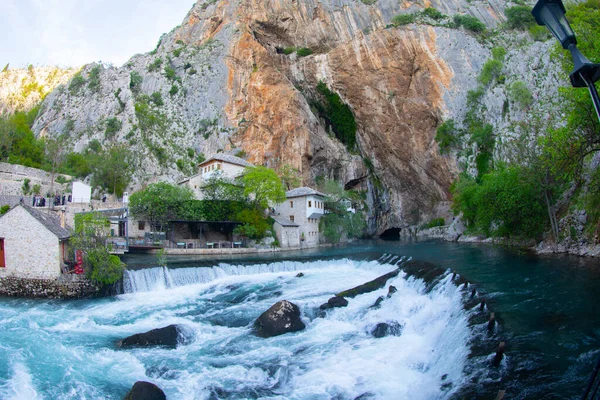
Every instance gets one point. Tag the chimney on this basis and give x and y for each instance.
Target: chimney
(62, 218)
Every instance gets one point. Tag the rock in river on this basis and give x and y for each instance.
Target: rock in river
(167, 336)
(282, 317)
(142, 390)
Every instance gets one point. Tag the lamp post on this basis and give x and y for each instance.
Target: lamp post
(551, 14)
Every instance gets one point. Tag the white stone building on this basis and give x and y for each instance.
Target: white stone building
(224, 165)
(304, 207)
(33, 244)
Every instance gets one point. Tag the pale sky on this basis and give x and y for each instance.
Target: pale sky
(76, 32)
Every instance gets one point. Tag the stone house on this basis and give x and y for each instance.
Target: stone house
(224, 165)
(303, 208)
(33, 243)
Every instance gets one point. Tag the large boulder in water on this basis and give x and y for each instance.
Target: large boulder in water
(167, 336)
(282, 317)
(142, 390)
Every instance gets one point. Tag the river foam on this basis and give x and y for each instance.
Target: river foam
(69, 351)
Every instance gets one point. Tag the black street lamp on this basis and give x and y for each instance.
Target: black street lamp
(551, 13)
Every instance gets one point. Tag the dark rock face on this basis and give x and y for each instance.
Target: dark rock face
(386, 329)
(167, 336)
(334, 302)
(282, 317)
(371, 286)
(142, 390)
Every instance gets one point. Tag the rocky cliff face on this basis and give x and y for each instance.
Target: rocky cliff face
(226, 83)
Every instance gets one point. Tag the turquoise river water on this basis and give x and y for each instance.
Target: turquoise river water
(545, 308)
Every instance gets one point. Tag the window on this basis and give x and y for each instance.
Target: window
(291, 204)
(310, 203)
(141, 225)
(2, 262)
(291, 218)
(218, 166)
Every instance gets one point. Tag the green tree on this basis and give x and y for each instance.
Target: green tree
(338, 115)
(263, 185)
(135, 82)
(254, 224)
(113, 173)
(519, 17)
(290, 176)
(90, 236)
(520, 94)
(158, 203)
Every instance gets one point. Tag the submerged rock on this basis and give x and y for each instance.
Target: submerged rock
(167, 336)
(370, 286)
(334, 302)
(282, 317)
(142, 390)
(386, 329)
(391, 290)
(299, 275)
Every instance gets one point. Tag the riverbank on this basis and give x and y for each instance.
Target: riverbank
(64, 287)
(455, 233)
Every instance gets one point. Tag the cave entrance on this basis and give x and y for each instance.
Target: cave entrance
(391, 234)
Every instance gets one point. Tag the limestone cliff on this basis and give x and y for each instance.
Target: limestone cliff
(227, 82)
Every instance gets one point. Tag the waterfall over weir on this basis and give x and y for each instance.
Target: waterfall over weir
(161, 278)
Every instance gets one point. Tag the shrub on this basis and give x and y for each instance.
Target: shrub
(157, 99)
(170, 73)
(403, 19)
(289, 50)
(113, 125)
(94, 79)
(520, 94)
(25, 187)
(434, 223)
(491, 71)
(469, 22)
(76, 83)
(539, 33)
(4, 209)
(519, 17)
(446, 136)
(303, 52)
(177, 52)
(433, 13)
(135, 81)
(174, 89)
(498, 53)
(338, 115)
(155, 65)
(254, 224)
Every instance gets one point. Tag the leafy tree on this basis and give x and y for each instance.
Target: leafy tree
(158, 203)
(254, 224)
(91, 232)
(492, 69)
(263, 185)
(219, 187)
(469, 22)
(290, 176)
(520, 94)
(519, 17)
(135, 81)
(115, 171)
(446, 136)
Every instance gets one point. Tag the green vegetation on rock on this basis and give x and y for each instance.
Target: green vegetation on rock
(337, 115)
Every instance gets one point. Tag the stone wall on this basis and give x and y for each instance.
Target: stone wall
(65, 287)
(30, 249)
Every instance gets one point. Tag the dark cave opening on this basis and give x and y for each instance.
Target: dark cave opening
(391, 234)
